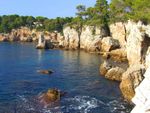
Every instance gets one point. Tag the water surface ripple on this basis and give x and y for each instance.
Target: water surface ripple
(76, 73)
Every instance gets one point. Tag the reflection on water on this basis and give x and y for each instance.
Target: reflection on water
(76, 73)
(40, 55)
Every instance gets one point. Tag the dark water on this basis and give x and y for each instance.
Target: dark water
(76, 73)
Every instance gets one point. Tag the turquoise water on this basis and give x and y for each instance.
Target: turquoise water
(76, 73)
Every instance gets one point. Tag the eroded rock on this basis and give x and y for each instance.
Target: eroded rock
(130, 80)
(51, 96)
(118, 54)
(118, 32)
(115, 73)
(105, 66)
(108, 44)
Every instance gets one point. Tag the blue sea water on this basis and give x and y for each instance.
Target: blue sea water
(75, 72)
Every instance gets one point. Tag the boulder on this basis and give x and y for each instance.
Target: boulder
(105, 66)
(130, 80)
(115, 73)
(118, 54)
(108, 44)
(51, 96)
(45, 71)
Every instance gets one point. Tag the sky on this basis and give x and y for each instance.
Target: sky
(46, 8)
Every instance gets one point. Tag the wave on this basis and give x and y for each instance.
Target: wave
(76, 104)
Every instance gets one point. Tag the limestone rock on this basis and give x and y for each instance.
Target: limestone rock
(130, 80)
(118, 32)
(108, 44)
(118, 54)
(52, 95)
(41, 42)
(71, 38)
(105, 66)
(115, 74)
(137, 43)
(147, 60)
(90, 38)
(141, 98)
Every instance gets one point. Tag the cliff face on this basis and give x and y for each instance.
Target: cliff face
(86, 40)
(138, 42)
(134, 41)
(89, 40)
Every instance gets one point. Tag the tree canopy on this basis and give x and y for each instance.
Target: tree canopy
(9, 22)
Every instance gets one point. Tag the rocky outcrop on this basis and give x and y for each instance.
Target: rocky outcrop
(137, 45)
(111, 72)
(52, 95)
(71, 40)
(141, 98)
(135, 41)
(24, 34)
(108, 44)
(104, 67)
(118, 32)
(41, 42)
(115, 73)
(119, 55)
(130, 80)
(90, 39)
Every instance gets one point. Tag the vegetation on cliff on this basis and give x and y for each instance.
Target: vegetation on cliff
(9, 22)
(101, 14)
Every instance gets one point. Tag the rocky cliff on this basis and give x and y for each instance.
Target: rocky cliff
(134, 41)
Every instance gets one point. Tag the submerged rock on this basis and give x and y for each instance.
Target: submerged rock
(45, 71)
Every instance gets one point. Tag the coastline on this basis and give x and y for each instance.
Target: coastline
(120, 45)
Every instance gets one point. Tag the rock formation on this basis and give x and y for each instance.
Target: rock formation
(141, 98)
(118, 32)
(115, 73)
(45, 71)
(51, 96)
(41, 42)
(128, 41)
(71, 40)
(137, 45)
(108, 44)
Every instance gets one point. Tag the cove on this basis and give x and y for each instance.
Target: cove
(75, 72)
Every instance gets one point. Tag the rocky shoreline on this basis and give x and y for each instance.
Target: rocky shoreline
(128, 42)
